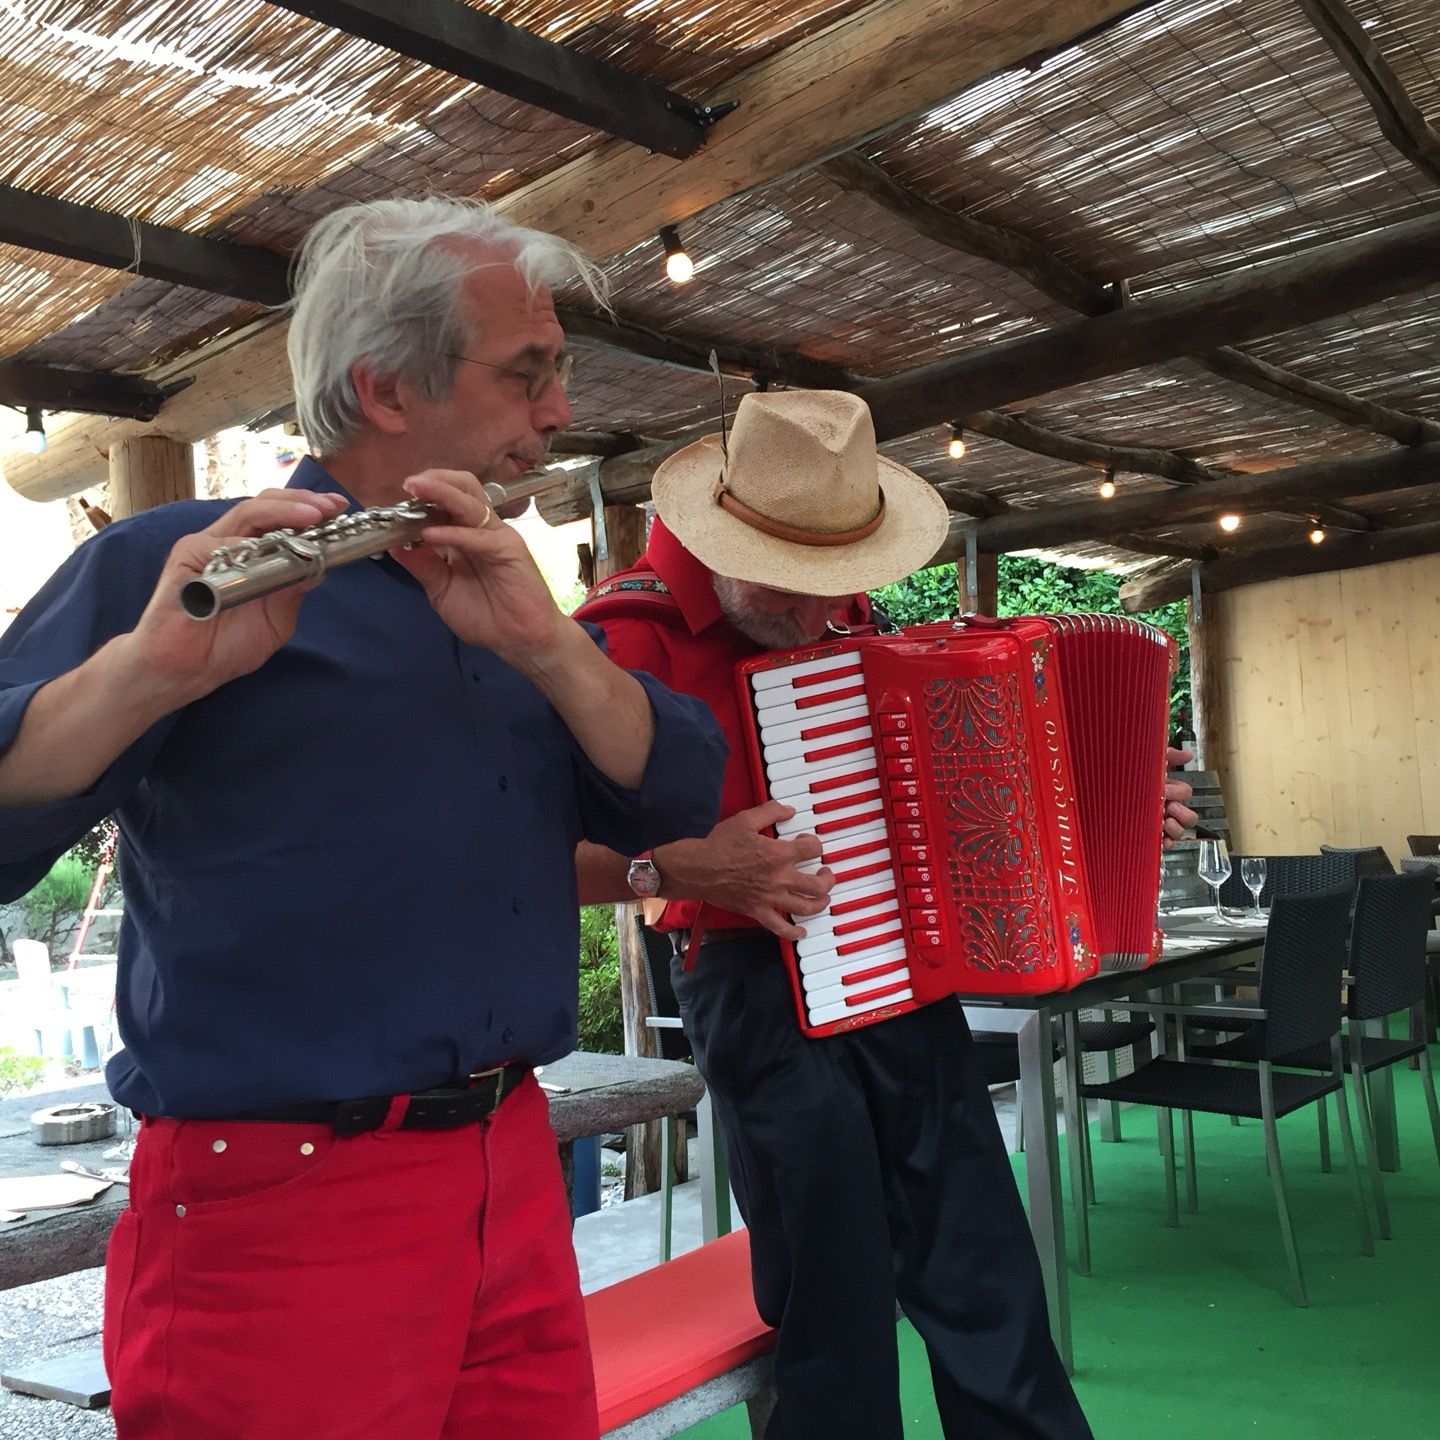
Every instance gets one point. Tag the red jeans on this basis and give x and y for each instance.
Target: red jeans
(280, 1282)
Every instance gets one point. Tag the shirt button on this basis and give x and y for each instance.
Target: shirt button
(180, 1211)
(307, 1148)
(218, 1147)
(504, 782)
(515, 906)
(507, 1037)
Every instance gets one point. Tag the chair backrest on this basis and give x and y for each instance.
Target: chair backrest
(1424, 844)
(1306, 943)
(1387, 943)
(1369, 859)
(1421, 865)
(657, 950)
(32, 966)
(1290, 875)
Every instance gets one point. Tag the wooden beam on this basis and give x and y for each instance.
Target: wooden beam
(746, 361)
(819, 97)
(1400, 120)
(1136, 459)
(448, 35)
(148, 471)
(120, 242)
(1052, 276)
(1296, 487)
(1283, 562)
(91, 392)
(1263, 299)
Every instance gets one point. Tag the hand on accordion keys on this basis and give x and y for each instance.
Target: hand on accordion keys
(740, 869)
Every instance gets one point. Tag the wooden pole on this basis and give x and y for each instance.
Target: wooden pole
(147, 471)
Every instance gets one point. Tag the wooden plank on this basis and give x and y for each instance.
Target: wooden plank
(821, 96)
(451, 36)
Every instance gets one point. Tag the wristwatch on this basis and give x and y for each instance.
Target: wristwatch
(644, 878)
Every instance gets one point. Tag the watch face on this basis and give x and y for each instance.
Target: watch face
(644, 878)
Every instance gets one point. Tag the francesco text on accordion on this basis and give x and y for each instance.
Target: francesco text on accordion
(349, 812)
(868, 1164)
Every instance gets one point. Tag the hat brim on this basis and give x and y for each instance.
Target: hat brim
(915, 525)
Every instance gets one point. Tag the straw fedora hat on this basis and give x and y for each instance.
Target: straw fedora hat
(798, 499)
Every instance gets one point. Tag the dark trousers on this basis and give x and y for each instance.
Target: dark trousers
(869, 1168)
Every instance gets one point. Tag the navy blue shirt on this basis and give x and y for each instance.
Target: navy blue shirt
(351, 872)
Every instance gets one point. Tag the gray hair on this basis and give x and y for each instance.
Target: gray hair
(380, 282)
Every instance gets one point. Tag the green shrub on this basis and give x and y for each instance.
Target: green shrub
(59, 899)
(602, 1020)
(19, 1072)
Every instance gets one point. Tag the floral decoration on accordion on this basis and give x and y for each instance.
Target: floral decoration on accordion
(1039, 658)
(980, 770)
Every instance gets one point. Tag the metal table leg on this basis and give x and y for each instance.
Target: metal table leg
(1042, 1174)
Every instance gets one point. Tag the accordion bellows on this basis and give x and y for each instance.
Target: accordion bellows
(989, 795)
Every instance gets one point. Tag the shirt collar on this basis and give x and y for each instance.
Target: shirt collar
(310, 474)
(689, 580)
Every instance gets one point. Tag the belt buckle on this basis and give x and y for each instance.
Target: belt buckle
(497, 1072)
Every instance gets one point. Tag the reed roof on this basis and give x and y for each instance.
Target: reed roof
(1183, 142)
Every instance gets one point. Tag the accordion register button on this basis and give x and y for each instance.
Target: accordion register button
(928, 944)
(908, 810)
(917, 874)
(914, 834)
(914, 854)
(900, 767)
(904, 789)
(895, 722)
(925, 921)
(921, 895)
(897, 744)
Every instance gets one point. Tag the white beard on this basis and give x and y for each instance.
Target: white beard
(774, 632)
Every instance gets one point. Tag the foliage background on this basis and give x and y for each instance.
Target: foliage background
(1027, 586)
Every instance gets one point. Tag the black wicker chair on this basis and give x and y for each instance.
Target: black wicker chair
(1387, 974)
(1300, 1007)
(1369, 859)
(1423, 844)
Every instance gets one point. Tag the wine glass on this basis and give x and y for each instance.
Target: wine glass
(1252, 872)
(1214, 870)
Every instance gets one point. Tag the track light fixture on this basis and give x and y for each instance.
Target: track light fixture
(1317, 536)
(1107, 485)
(35, 441)
(957, 443)
(1230, 523)
(678, 264)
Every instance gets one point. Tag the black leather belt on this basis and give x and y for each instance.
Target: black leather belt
(680, 939)
(440, 1109)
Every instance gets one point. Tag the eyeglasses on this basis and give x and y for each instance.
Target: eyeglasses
(538, 378)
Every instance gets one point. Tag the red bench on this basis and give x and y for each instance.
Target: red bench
(679, 1343)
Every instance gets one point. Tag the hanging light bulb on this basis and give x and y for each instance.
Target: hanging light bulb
(1229, 523)
(957, 443)
(35, 441)
(1317, 536)
(678, 264)
(1107, 485)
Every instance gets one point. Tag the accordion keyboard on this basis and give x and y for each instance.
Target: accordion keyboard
(819, 750)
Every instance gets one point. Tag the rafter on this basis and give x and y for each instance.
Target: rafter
(92, 392)
(1283, 561)
(158, 252)
(1400, 119)
(1263, 299)
(1300, 486)
(448, 35)
(1075, 290)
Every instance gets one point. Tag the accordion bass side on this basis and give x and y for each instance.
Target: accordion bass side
(989, 796)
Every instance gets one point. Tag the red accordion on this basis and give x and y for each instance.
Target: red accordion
(989, 795)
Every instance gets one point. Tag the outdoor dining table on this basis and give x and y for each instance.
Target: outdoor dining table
(1197, 945)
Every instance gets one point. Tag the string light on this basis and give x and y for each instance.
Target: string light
(1229, 523)
(1317, 536)
(1107, 485)
(678, 264)
(956, 447)
(35, 441)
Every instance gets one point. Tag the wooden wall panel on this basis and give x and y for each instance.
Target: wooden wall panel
(1331, 730)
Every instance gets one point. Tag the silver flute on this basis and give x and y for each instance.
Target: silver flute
(266, 563)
